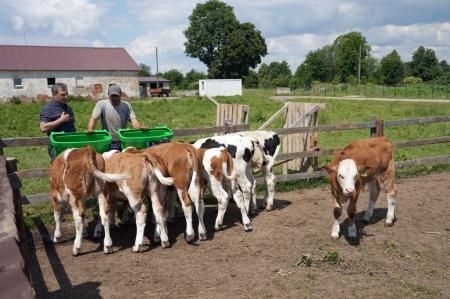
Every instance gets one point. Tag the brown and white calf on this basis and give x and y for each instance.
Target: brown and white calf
(181, 162)
(220, 177)
(144, 179)
(75, 175)
(370, 162)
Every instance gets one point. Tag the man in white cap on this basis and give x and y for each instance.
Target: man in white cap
(114, 114)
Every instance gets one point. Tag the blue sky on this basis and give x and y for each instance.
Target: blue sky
(291, 28)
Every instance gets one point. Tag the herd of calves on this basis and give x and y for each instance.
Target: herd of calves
(221, 163)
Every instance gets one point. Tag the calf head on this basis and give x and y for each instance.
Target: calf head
(345, 176)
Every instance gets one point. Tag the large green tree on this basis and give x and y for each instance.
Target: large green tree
(175, 76)
(225, 46)
(275, 74)
(346, 49)
(424, 64)
(392, 69)
(318, 66)
(144, 71)
(191, 79)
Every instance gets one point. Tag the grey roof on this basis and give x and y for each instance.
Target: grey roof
(50, 58)
(152, 79)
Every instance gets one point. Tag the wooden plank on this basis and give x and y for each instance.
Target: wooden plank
(324, 128)
(422, 161)
(213, 100)
(275, 115)
(418, 142)
(35, 198)
(414, 121)
(24, 141)
(207, 130)
(33, 173)
(295, 177)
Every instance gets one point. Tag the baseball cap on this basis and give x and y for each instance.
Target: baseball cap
(114, 90)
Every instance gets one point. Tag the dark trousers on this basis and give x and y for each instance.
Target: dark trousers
(115, 145)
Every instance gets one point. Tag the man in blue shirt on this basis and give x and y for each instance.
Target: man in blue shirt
(56, 115)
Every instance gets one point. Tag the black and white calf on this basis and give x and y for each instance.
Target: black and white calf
(269, 142)
(242, 151)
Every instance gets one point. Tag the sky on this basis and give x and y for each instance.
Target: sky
(291, 28)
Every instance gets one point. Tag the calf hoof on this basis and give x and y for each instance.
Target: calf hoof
(165, 244)
(335, 236)
(156, 239)
(389, 224)
(269, 208)
(76, 251)
(189, 238)
(218, 227)
(97, 234)
(107, 249)
(202, 237)
(248, 227)
(136, 248)
(56, 239)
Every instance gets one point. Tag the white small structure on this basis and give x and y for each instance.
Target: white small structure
(220, 87)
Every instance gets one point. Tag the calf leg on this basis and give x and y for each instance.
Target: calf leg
(351, 211)
(222, 200)
(190, 235)
(249, 192)
(391, 191)
(78, 217)
(374, 190)
(269, 177)
(159, 211)
(239, 199)
(337, 211)
(140, 211)
(57, 213)
(105, 221)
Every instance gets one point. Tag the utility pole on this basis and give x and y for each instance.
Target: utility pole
(359, 66)
(157, 71)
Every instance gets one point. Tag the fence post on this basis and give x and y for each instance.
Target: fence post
(432, 91)
(1, 148)
(406, 90)
(383, 91)
(378, 129)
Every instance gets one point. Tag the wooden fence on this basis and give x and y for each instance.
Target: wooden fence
(375, 128)
(14, 266)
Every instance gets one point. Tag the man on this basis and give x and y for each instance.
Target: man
(56, 115)
(115, 114)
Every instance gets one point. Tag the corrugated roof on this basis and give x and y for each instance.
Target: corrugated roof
(152, 79)
(49, 58)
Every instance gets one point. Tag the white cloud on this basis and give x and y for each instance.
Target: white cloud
(97, 43)
(63, 17)
(17, 23)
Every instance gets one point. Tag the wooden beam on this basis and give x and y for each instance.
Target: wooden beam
(35, 198)
(33, 173)
(24, 141)
(415, 121)
(422, 161)
(275, 115)
(324, 128)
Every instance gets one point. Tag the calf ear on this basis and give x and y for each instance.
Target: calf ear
(329, 168)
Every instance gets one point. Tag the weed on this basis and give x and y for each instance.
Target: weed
(305, 261)
(389, 246)
(332, 257)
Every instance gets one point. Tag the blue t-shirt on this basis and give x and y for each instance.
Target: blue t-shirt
(52, 111)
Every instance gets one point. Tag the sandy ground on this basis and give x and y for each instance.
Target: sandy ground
(289, 254)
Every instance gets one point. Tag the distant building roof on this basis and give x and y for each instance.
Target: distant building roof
(49, 58)
(152, 79)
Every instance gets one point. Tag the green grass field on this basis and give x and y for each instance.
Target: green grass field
(21, 120)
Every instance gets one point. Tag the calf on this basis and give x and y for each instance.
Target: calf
(370, 162)
(270, 144)
(181, 162)
(242, 151)
(144, 179)
(75, 175)
(220, 177)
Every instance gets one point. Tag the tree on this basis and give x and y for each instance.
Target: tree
(276, 74)
(346, 49)
(225, 46)
(144, 71)
(318, 66)
(250, 80)
(175, 76)
(424, 64)
(191, 79)
(392, 69)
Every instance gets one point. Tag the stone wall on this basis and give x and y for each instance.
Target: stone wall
(84, 83)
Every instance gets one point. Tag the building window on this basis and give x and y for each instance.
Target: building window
(50, 82)
(79, 82)
(98, 88)
(17, 82)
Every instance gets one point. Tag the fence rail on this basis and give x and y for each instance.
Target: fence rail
(375, 126)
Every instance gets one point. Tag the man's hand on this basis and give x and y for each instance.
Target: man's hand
(65, 117)
(142, 128)
(89, 132)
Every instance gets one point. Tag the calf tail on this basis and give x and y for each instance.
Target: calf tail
(154, 169)
(168, 181)
(108, 177)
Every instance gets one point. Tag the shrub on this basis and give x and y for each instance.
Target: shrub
(412, 80)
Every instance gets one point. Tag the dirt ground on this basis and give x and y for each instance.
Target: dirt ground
(289, 254)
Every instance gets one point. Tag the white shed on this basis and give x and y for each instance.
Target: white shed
(220, 87)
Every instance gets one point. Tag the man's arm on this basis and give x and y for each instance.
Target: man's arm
(49, 126)
(135, 123)
(91, 124)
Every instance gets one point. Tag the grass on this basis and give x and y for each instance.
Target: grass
(190, 112)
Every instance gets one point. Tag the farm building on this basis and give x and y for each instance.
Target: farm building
(153, 85)
(30, 71)
(220, 87)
